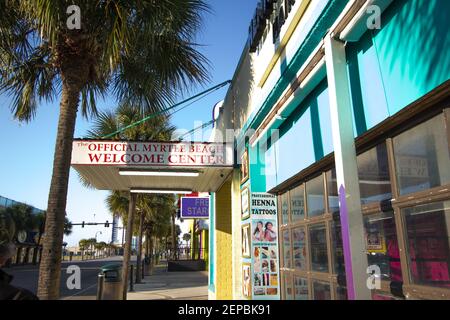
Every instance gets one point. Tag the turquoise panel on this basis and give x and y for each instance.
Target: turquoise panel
(413, 49)
(296, 148)
(257, 168)
(212, 234)
(305, 137)
(392, 67)
(323, 102)
(271, 167)
(367, 91)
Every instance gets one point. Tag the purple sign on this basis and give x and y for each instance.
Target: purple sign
(195, 207)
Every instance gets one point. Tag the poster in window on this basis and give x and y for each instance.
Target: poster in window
(375, 241)
(245, 204)
(264, 242)
(264, 231)
(246, 244)
(244, 167)
(246, 280)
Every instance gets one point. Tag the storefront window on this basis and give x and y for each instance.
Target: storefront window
(333, 195)
(286, 249)
(297, 204)
(337, 247)
(428, 229)
(319, 253)
(373, 173)
(321, 291)
(315, 196)
(422, 157)
(284, 208)
(301, 289)
(288, 290)
(298, 241)
(382, 246)
(341, 293)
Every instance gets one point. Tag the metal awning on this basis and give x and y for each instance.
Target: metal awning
(165, 166)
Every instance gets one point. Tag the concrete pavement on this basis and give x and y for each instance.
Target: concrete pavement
(163, 285)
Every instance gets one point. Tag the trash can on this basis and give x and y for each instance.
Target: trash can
(112, 283)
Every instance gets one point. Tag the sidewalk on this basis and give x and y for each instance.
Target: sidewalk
(163, 285)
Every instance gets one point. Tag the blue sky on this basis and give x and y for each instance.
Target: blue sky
(26, 149)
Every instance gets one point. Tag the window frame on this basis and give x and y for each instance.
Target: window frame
(308, 274)
(399, 202)
(384, 132)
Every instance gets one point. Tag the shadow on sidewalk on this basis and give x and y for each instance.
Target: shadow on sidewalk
(164, 285)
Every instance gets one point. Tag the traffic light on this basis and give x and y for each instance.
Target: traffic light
(107, 224)
(82, 224)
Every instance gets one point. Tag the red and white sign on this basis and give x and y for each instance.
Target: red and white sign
(176, 154)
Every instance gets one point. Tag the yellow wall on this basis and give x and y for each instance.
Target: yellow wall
(224, 272)
(205, 246)
(237, 236)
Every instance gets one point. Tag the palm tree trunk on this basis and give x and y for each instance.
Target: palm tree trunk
(50, 266)
(139, 251)
(127, 251)
(152, 256)
(147, 244)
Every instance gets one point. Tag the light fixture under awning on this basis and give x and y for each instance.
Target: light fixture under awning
(131, 172)
(160, 191)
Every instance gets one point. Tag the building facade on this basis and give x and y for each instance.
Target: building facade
(28, 249)
(340, 109)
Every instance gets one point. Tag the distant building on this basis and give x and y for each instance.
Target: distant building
(6, 202)
(27, 246)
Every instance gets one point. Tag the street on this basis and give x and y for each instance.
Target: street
(27, 277)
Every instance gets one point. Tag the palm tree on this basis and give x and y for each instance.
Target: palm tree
(100, 247)
(24, 220)
(91, 242)
(39, 221)
(187, 237)
(137, 50)
(156, 128)
(153, 211)
(83, 245)
(156, 221)
(22, 215)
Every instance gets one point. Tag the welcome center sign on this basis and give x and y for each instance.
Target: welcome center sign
(170, 154)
